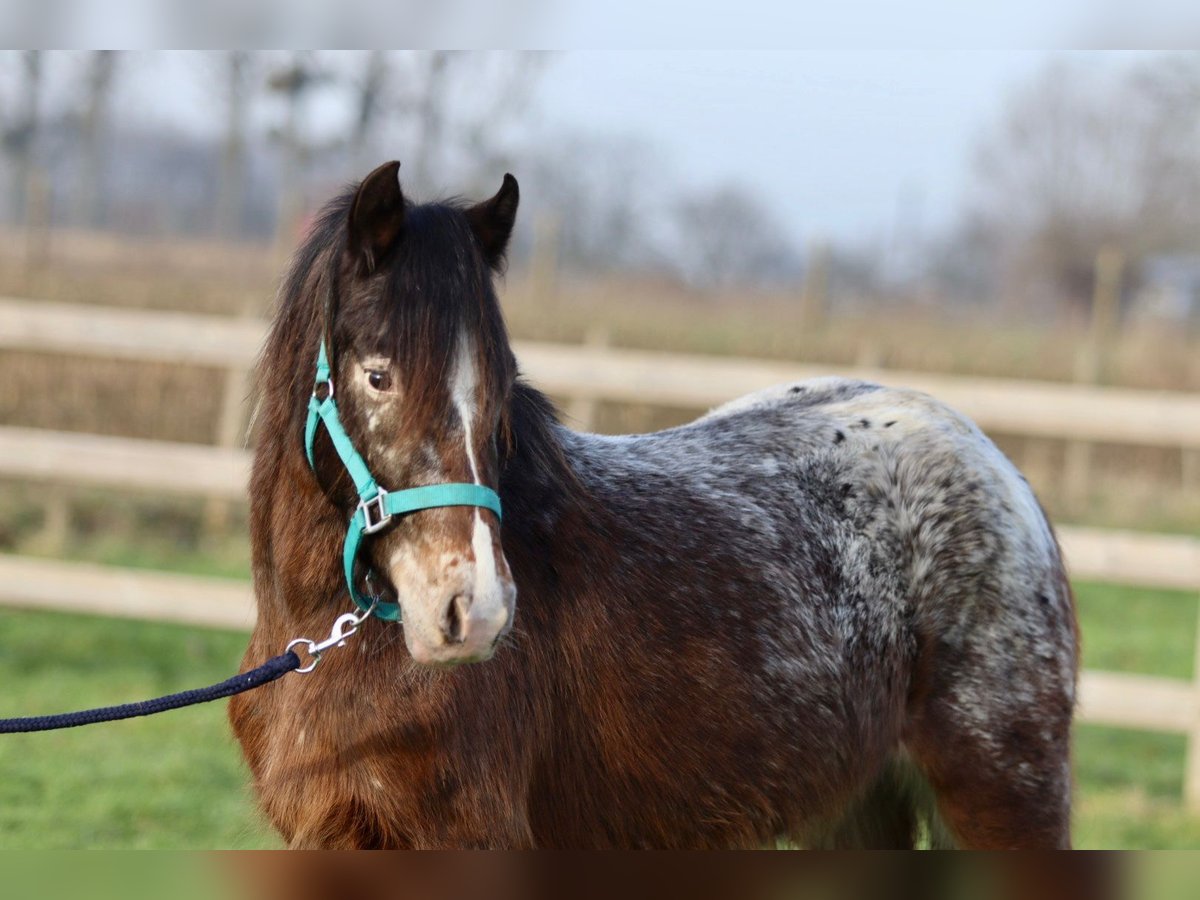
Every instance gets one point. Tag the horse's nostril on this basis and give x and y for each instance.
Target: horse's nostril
(454, 624)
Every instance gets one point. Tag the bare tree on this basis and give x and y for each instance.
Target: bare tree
(94, 121)
(240, 66)
(20, 137)
(446, 114)
(371, 92)
(431, 112)
(728, 237)
(295, 82)
(600, 196)
(1079, 162)
(1170, 159)
(453, 109)
(512, 79)
(611, 212)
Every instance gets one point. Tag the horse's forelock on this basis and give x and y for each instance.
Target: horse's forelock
(435, 290)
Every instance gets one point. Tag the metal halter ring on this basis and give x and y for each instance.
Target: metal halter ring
(344, 626)
(312, 652)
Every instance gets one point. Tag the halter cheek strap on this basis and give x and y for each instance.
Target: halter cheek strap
(376, 506)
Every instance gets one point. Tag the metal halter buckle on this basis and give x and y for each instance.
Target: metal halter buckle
(378, 503)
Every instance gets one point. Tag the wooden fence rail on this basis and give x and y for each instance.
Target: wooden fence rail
(589, 373)
(1008, 406)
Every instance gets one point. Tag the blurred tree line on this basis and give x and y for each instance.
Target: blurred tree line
(280, 131)
(277, 131)
(1079, 161)
(1081, 164)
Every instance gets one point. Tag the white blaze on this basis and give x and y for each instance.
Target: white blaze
(464, 394)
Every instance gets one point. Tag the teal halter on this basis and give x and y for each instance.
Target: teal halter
(375, 505)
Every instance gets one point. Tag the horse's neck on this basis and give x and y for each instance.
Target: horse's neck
(538, 484)
(559, 523)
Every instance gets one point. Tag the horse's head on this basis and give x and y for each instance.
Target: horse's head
(423, 373)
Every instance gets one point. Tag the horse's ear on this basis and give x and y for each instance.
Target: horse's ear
(377, 215)
(492, 221)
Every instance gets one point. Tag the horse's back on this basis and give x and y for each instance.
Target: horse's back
(968, 539)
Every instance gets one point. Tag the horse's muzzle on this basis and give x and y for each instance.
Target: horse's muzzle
(465, 628)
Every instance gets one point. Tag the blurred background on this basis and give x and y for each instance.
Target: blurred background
(1017, 232)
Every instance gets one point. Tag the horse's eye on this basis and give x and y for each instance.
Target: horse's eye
(379, 379)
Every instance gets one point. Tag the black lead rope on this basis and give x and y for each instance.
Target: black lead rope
(273, 668)
(344, 627)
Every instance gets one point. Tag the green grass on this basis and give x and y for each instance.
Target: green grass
(1130, 782)
(1137, 629)
(168, 781)
(177, 780)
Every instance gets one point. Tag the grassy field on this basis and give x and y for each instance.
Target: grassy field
(177, 781)
(168, 781)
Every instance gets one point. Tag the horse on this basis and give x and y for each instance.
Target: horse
(828, 614)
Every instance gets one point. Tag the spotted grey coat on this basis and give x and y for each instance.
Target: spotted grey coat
(897, 592)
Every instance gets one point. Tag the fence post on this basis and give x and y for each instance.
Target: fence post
(583, 410)
(55, 531)
(1191, 763)
(231, 426)
(1189, 469)
(1092, 363)
(815, 287)
(37, 221)
(543, 265)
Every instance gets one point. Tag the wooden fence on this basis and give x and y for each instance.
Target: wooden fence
(1009, 406)
(590, 373)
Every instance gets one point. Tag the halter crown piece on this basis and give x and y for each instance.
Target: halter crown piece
(376, 506)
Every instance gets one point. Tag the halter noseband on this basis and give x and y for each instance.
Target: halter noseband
(376, 507)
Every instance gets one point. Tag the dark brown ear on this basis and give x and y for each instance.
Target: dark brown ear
(377, 215)
(492, 221)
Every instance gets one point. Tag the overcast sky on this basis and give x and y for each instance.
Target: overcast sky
(842, 144)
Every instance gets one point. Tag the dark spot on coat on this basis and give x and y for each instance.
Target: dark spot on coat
(889, 424)
(796, 390)
(838, 437)
(864, 423)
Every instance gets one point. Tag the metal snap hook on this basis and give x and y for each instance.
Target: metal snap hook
(344, 626)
